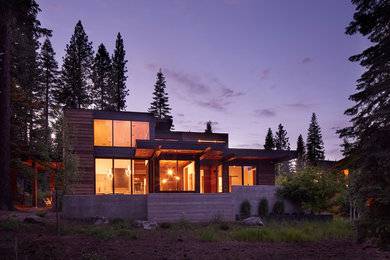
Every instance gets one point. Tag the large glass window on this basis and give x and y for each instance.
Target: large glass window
(102, 132)
(140, 179)
(201, 181)
(235, 176)
(139, 131)
(249, 175)
(219, 179)
(122, 133)
(176, 175)
(121, 176)
(104, 176)
(119, 133)
(241, 175)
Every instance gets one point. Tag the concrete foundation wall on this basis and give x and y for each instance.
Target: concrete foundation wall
(173, 207)
(255, 193)
(193, 207)
(110, 206)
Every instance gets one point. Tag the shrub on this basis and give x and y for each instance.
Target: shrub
(262, 210)
(278, 208)
(206, 235)
(41, 214)
(245, 209)
(103, 233)
(165, 225)
(10, 224)
(224, 226)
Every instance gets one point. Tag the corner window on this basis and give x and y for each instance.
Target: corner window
(102, 132)
(241, 175)
(176, 175)
(119, 133)
(104, 176)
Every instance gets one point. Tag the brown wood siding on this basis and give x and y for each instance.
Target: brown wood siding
(80, 127)
(266, 173)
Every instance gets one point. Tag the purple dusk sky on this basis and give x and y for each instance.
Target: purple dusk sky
(246, 65)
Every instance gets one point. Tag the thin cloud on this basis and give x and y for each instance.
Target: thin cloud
(299, 106)
(264, 113)
(192, 83)
(226, 91)
(180, 114)
(215, 104)
(306, 60)
(265, 74)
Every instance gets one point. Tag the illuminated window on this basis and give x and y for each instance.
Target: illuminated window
(122, 176)
(201, 181)
(241, 175)
(177, 175)
(122, 133)
(235, 176)
(104, 176)
(139, 131)
(140, 177)
(219, 187)
(102, 132)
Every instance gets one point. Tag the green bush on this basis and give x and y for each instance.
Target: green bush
(224, 226)
(10, 224)
(262, 209)
(206, 235)
(41, 214)
(165, 225)
(278, 208)
(245, 209)
(102, 233)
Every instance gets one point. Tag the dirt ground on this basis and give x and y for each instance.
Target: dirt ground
(39, 241)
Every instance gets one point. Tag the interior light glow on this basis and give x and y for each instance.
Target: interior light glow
(128, 171)
(164, 181)
(109, 174)
(170, 172)
(177, 178)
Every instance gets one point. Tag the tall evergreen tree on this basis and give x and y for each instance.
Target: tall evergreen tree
(301, 153)
(209, 129)
(269, 140)
(369, 135)
(75, 89)
(119, 71)
(49, 83)
(103, 91)
(160, 107)
(314, 143)
(281, 139)
(19, 33)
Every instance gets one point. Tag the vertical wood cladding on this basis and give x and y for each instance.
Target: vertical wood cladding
(266, 173)
(80, 130)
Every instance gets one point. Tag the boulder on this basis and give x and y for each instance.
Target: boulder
(101, 220)
(253, 221)
(33, 219)
(145, 224)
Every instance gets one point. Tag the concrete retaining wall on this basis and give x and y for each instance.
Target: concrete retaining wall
(193, 207)
(254, 194)
(110, 206)
(172, 207)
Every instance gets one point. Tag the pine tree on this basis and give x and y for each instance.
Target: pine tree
(48, 84)
(76, 71)
(103, 91)
(281, 140)
(301, 153)
(269, 140)
(209, 129)
(160, 107)
(368, 149)
(119, 77)
(314, 143)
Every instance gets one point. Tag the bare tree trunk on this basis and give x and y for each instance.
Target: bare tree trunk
(5, 116)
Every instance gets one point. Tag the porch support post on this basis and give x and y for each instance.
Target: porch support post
(197, 175)
(34, 186)
(225, 177)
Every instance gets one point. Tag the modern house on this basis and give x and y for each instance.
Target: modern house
(135, 153)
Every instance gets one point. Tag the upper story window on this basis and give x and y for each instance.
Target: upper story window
(119, 133)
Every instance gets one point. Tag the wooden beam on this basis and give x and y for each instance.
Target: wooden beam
(204, 153)
(156, 152)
